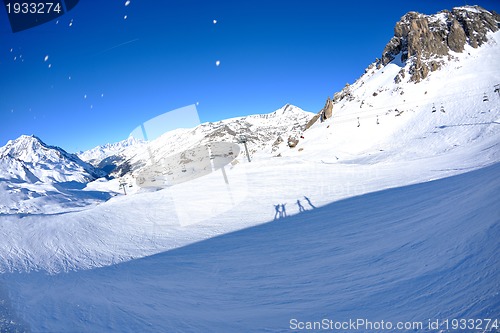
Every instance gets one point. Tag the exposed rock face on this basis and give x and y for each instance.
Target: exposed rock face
(313, 120)
(457, 38)
(327, 109)
(421, 39)
(292, 142)
(323, 114)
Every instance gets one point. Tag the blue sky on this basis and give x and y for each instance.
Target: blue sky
(111, 67)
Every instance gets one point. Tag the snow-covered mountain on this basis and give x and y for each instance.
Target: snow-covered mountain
(32, 170)
(263, 132)
(29, 159)
(389, 115)
(36, 178)
(95, 155)
(425, 42)
(385, 209)
(419, 89)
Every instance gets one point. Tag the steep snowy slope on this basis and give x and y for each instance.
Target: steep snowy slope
(377, 119)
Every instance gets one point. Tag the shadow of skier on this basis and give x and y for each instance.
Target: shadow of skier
(277, 213)
(283, 210)
(309, 202)
(301, 208)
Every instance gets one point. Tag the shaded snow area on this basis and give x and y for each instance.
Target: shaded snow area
(387, 211)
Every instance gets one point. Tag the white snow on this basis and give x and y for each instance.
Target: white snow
(427, 251)
(401, 223)
(101, 152)
(469, 9)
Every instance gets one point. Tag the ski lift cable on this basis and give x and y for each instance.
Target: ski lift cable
(466, 93)
(385, 109)
(462, 95)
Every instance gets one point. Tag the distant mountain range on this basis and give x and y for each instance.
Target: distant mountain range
(264, 133)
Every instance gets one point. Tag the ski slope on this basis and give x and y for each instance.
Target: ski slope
(419, 252)
(395, 221)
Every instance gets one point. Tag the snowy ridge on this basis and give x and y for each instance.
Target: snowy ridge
(32, 157)
(97, 154)
(261, 130)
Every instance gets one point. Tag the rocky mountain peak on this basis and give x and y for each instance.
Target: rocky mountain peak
(425, 40)
(23, 147)
(47, 163)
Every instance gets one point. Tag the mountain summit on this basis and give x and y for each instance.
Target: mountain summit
(43, 162)
(426, 40)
